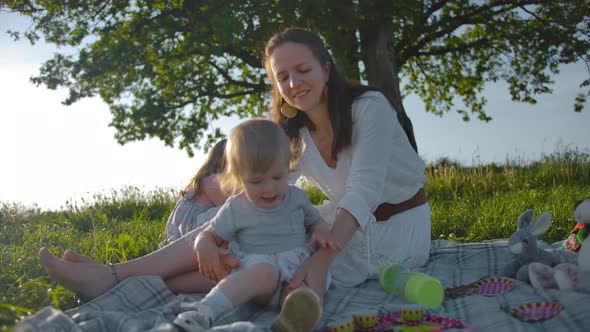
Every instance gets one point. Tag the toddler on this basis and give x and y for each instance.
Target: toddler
(268, 219)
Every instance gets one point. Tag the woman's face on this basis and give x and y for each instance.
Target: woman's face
(299, 76)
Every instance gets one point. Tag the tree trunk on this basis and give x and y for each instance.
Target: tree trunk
(382, 71)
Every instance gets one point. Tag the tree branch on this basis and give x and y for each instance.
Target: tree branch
(25, 8)
(254, 86)
(420, 23)
(426, 76)
(548, 23)
(248, 58)
(445, 27)
(434, 8)
(459, 48)
(216, 94)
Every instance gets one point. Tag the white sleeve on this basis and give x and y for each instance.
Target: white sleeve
(372, 134)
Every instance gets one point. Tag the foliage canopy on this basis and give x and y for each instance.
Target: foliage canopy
(169, 69)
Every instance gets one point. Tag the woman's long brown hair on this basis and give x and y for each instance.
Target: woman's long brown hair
(341, 93)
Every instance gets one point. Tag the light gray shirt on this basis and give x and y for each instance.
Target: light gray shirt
(266, 231)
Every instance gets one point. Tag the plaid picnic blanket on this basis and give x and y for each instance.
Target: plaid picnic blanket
(145, 304)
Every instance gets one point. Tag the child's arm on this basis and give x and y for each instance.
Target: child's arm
(321, 235)
(207, 248)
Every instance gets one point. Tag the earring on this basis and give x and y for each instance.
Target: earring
(288, 111)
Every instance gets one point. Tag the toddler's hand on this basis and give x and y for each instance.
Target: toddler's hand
(322, 236)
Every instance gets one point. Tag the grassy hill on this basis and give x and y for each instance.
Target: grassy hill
(468, 204)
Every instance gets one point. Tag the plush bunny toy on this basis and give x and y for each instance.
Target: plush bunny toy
(566, 276)
(523, 244)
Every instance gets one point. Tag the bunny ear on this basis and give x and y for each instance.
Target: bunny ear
(541, 224)
(525, 218)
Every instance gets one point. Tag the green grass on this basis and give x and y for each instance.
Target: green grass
(468, 204)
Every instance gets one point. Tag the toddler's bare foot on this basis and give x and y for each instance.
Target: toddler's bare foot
(72, 256)
(88, 279)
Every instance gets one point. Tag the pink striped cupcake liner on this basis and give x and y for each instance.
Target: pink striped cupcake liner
(534, 311)
(493, 286)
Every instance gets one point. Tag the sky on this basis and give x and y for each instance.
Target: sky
(51, 153)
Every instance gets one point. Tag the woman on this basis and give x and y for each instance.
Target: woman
(355, 150)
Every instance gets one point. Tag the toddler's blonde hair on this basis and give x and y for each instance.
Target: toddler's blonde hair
(252, 147)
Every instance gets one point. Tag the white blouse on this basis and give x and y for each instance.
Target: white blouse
(379, 166)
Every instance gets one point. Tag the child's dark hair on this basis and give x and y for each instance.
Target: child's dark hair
(214, 164)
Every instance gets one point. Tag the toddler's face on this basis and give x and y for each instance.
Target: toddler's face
(267, 189)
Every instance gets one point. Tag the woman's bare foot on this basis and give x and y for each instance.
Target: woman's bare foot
(86, 278)
(72, 256)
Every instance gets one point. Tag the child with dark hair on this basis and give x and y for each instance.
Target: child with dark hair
(202, 194)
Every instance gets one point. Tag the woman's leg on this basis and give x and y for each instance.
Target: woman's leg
(189, 282)
(91, 279)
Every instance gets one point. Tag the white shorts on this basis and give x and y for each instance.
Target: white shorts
(286, 262)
